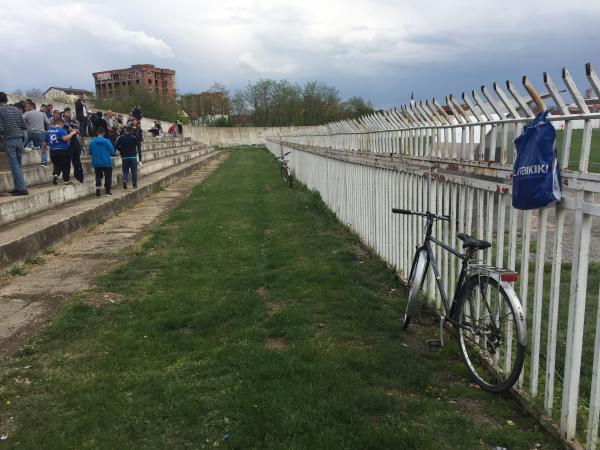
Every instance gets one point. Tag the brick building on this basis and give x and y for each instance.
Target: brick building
(116, 83)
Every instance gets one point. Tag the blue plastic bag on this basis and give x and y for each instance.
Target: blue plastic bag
(536, 178)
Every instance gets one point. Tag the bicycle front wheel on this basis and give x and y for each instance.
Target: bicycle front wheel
(284, 174)
(415, 283)
(488, 334)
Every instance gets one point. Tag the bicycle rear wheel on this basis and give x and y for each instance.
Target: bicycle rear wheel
(415, 282)
(488, 335)
(290, 178)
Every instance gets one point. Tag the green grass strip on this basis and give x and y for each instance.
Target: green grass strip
(250, 318)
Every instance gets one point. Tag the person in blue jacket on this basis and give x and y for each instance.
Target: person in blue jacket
(101, 149)
(58, 141)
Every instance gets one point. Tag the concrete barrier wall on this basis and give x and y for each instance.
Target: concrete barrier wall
(212, 136)
(232, 136)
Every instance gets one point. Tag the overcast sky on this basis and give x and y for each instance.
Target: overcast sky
(379, 49)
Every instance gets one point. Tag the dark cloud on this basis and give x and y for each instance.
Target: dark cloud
(381, 50)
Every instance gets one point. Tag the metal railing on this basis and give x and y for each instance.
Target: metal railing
(457, 159)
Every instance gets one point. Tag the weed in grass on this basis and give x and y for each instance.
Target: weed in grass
(49, 250)
(35, 260)
(18, 270)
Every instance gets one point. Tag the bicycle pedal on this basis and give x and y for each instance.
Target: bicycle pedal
(434, 344)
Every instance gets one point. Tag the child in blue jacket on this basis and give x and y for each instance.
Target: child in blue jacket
(101, 149)
(58, 139)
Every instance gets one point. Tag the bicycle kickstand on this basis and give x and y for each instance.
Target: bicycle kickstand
(435, 344)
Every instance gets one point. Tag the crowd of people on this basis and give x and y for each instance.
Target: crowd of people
(56, 133)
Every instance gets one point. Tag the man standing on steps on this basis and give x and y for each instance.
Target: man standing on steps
(101, 150)
(127, 146)
(136, 130)
(12, 126)
(81, 114)
(137, 113)
(37, 124)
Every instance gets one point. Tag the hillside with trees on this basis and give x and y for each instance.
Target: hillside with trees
(270, 102)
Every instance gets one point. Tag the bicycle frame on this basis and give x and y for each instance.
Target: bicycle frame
(431, 259)
(492, 272)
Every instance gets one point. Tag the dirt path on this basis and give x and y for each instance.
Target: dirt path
(27, 301)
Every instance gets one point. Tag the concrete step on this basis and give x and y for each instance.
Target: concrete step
(42, 198)
(26, 237)
(34, 157)
(36, 174)
(148, 139)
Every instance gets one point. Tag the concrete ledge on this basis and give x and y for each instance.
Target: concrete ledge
(36, 175)
(48, 197)
(80, 215)
(34, 157)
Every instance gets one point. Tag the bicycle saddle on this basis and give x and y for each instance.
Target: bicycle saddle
(469, 242)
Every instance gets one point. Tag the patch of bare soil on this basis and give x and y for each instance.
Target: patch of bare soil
(473, 408)
(262, 291)
(403, 395)
(268, 187)
(97, 299)
(268, 232)
(278, 343)
(272, 308)
(361, 253)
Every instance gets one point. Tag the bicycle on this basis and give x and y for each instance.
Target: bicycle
(485, 312)
(286, 174)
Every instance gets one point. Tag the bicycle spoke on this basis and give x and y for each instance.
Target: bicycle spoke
(485, 331)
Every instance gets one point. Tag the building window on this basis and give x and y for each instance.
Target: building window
(137, 81)
(129, 75)
(151, 89)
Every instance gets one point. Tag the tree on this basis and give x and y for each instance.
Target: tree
(163, 108)
(238, 104)
(273, 103)
(356, 107)
(34, 93)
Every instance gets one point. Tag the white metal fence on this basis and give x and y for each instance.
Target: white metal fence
(457, 160)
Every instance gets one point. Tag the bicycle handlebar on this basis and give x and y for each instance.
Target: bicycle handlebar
(281, 157)
(427, 214)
